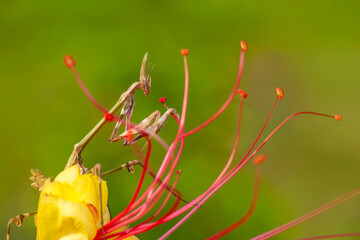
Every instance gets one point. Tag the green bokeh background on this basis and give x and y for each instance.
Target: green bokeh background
(309, 48)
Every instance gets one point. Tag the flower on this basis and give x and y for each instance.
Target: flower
(72, 203)
(69, 207)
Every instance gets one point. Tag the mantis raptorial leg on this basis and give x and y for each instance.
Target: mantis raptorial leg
(132, 135)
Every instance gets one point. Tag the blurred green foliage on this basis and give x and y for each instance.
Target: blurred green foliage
(309, 48)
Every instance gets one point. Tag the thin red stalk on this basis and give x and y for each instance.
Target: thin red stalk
(332, 236)
(228, 101)
(235, 143)
(249, 212)
(185, 100)
(309, 215)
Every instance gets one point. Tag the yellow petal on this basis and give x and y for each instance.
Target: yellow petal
(69, 207)
(57, 218)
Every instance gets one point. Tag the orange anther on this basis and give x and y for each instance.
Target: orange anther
(69, 61)
(337, 117)
(178, 171)
(243, 46)
(184, 52)
(260, 159)
(279, 93)
(242, 93)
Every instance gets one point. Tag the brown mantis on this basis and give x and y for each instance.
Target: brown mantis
(150, 126)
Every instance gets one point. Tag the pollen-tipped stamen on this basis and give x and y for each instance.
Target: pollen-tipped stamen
(70, 63)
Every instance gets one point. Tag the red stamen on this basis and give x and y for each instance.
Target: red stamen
(243, 46)
(185, 99)
(279, 93)
(242, 93)
(69, 61)
(184, 52)
(236, 142)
